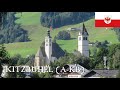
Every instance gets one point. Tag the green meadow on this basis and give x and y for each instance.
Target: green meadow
(30, 21)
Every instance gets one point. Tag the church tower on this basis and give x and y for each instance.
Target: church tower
(83, 42)
(48, 47)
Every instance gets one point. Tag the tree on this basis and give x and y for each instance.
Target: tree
(35, 75)
(99, 57)
(116, 59)
(94, 51)
(10, 31)
(41, 75)
(4, 57)
(112, 49)
(18, 60)
(117, 30)
(104, 43)
(2, 16)
(47, 75)
(63, 35)
(118, 36)
(113, 56)
(58, 19)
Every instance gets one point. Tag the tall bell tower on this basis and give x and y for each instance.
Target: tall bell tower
(83, 42)
(48, 47)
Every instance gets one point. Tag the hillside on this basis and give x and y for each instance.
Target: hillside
(30, 21)
(10, 31)
(59, 19)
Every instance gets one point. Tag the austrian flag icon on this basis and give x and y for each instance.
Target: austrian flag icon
(107, 19)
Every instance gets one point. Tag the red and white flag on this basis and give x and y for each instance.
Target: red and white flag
(107, 19)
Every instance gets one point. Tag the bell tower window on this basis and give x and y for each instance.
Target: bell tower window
(79, 38)
(85, 38)
(46, 40)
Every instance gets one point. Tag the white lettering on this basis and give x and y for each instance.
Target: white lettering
(8, 69)
(27, 69)
(34, 69)
(17, 68)
(23, 69)
(63, 69)
(72, 69)
(49, 69)
(57, 69)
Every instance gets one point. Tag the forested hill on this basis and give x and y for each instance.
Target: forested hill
(2, 15)
(10, 31)
(58, 19)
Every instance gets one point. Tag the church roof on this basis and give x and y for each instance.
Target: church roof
(39, 53)
(92, 74)
(83, 30)
(56, 51)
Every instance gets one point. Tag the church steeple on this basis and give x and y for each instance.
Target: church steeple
(84, 31)
(48, 47)
(48, 33)
(83, 42)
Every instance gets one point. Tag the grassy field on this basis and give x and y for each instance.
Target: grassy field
(29, 18)
(30, 21)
